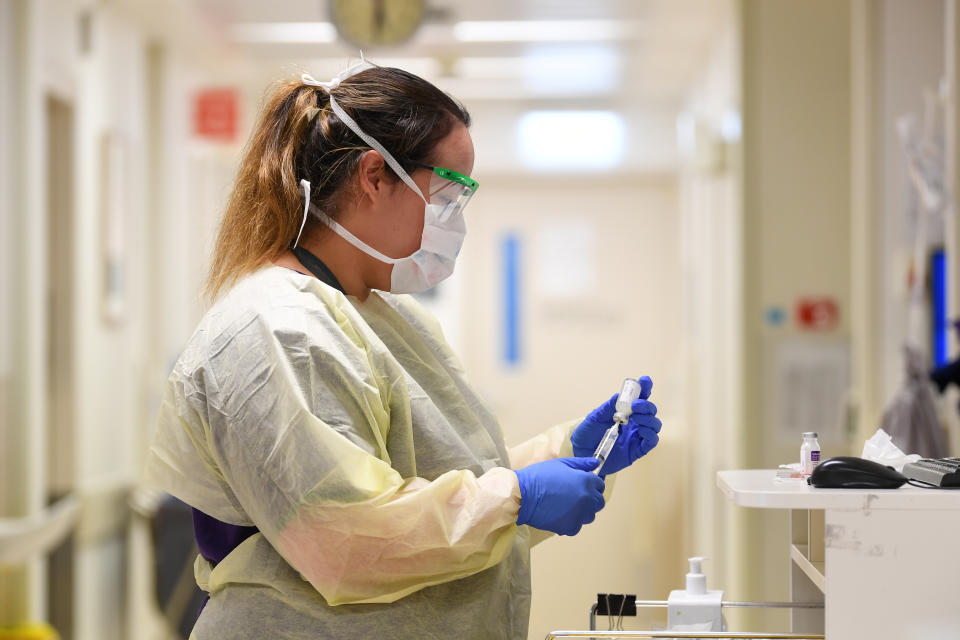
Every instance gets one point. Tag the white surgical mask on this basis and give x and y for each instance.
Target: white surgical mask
(443, 225)
(432, 263)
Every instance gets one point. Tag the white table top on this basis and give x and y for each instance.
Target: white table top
(759, 488)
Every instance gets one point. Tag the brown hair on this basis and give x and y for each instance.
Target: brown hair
(298, 136)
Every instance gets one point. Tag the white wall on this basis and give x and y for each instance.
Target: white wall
(109, 358)
(8, 58)
(113, 103)
(190, 188)
(30, 353)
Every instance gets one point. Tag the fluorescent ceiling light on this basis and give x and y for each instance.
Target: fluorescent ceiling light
(550, 70)
(571, 70)
(731, 128)
(571, 140)
(283, 32)
(544, 30)
(686, 134)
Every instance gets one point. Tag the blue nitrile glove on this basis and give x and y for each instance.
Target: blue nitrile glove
(560, 495)
(637, 438)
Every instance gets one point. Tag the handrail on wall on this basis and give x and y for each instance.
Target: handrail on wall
(21, 538)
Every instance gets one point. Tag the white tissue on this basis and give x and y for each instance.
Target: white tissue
(880, 448)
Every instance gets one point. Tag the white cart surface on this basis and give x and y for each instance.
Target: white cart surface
(886, 562)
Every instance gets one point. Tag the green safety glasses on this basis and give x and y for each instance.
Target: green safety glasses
(450, 189)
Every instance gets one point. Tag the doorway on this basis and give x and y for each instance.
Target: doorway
(60, 349)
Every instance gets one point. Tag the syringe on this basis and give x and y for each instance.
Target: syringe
(624, 408)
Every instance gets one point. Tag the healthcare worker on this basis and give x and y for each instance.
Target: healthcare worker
(346, 480)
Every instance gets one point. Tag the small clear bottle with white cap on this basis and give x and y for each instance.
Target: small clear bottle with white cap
(809, 453)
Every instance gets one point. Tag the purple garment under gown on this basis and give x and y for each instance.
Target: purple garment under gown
(215, 538)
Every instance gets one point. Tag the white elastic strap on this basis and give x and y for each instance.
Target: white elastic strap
(352, 239)
(375, 145)
(307, 79)
(353, 69)
(306, 209)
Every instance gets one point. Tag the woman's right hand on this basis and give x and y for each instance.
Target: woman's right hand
(560, 495)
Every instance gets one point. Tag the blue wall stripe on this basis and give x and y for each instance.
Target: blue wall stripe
(510, 255)
(938, 286)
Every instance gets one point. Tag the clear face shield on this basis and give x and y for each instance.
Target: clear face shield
(450, 190)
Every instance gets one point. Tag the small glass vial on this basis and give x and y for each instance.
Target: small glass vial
(809, 453)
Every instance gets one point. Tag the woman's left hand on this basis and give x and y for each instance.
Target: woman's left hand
(637, 438)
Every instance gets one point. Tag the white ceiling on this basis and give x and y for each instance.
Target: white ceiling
(655, 65)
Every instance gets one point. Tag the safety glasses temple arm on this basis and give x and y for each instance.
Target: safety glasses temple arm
(450, 174)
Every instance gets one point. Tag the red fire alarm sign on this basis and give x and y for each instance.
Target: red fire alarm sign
(215, 114)
(817, 314)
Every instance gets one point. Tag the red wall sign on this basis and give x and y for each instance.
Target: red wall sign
(817, 314)
(215, 114)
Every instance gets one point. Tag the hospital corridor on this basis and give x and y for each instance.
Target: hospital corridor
(274, 364)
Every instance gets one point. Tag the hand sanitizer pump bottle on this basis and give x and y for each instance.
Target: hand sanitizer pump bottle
(695, 608)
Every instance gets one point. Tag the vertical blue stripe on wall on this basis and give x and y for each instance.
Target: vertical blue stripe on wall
(510, 256)
(938, 287)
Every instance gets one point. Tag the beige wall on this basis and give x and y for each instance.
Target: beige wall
(575, 353)
(796, 115)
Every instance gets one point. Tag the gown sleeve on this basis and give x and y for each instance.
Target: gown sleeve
(552, 443)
